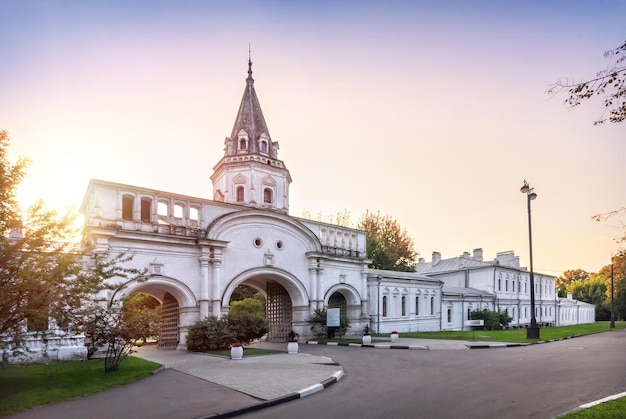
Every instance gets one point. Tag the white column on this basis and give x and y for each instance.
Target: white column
(204, 286)
(216, 301)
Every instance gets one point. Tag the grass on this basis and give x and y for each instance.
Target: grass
(517, 335)
(613, 409)
(246, 352)
(25, 386)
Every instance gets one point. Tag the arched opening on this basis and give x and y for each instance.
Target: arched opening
(337, 300)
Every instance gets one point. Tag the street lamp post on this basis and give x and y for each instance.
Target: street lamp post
(612, 324)
(533, 330)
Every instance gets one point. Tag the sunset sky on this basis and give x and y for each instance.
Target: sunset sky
(433, 112)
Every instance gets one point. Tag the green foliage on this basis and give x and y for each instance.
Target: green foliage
(494, 320)
(569, 277)
(210, 334)
(242, 292)
(251, 306)
(23, 387)
(592, 291)
(618, 271)
(612, 409)
(388, 244)
(144, 311)
(246, 327)
(213, 334)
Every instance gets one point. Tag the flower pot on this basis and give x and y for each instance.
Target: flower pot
(236, 352)
(292, 348)
(367, 339)
(394, 337)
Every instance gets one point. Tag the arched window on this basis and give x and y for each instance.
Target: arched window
(267, 195)
(506, 285)
(162, 208)
(242, 144)
(449, 315)
(193, 213)
(146, 210)
(127, 207)
(384, 306)
(240, 194)
(499, 284)
(403, 305)
(417, 305)
(432, 305)
(263, 146)
(178, 211)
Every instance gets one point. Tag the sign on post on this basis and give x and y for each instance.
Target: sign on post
(333, 317)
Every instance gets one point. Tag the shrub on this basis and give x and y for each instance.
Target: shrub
(246, 327)
(210, 334)
(494, 320)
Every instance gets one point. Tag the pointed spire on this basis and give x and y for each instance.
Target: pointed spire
(250, 124)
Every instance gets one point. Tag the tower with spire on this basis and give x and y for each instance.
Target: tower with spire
(250, 173)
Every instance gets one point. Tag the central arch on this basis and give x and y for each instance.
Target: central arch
(287, 300)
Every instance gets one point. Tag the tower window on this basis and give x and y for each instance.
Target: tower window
(127, 207)
(263, 146)
(240, 194)
(267, 195)
(242, 144)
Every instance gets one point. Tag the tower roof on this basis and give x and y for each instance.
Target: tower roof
(250, 117)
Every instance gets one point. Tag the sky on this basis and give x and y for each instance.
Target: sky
(433, 112)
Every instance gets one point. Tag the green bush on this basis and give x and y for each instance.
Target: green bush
(246, 327)
(212, 334)
(494, 320)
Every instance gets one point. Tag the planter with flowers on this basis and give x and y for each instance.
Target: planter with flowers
(394, 337)
(367, 337)
(236, 351)
(292, 346)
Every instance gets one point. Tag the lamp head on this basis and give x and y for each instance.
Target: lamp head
(525, 188)
(532, 196)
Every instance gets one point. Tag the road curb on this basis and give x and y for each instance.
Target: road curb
(315, 388)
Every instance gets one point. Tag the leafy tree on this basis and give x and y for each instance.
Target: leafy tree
(609, 83)
(242, 292)
(593, 291)
(568, 277)
(245, 326)
(145, 312)
(46, 279)
(250, 306)
(213, 334)
(388, 244)
(619, 282)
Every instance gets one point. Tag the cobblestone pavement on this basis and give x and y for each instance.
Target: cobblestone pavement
(265, 377)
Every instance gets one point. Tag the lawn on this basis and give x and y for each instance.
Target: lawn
(518, 335)
(25, 386)
(613, 409)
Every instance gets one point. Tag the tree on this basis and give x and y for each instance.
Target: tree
(618, 271)
(388, 244)
(41, 285)
(250, 306)
(568, 277)
(144, 311)
(47, 280)
(609, 83)
(591, 290)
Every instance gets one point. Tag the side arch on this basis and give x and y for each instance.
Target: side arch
(157, 286)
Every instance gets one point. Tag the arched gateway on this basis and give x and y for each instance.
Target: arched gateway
(199, 250)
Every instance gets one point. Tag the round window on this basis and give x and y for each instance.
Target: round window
(279, 245)
(258, 242)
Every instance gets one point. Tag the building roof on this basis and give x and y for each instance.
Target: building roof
(466, 292)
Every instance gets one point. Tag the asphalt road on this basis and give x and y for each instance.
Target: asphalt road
(536, 381)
